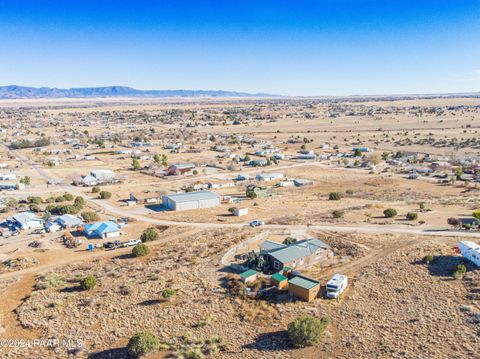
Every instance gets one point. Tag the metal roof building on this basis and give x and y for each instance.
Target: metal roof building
(190, 200)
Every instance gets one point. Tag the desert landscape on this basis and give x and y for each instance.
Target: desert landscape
(166, 216)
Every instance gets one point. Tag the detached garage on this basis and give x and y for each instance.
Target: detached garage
(190, 200)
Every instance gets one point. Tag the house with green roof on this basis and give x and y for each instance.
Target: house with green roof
(279, 281)
(301, 254)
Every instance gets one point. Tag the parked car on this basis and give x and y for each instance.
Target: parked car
(132, 242)
(112, 245)
(256, 223)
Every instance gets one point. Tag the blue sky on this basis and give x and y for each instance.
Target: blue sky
(296, 47)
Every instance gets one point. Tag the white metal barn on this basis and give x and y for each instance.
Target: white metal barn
(470, 251)
(190, 200)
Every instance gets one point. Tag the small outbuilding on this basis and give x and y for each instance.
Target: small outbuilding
(303, 288)
(279, 281)
(249, 276)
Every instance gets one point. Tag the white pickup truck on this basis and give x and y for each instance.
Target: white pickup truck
(336, 285)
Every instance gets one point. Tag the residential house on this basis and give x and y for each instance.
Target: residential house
(69, 221)
(26, 220)
(267, 177)
(249, 276)
(301, 254)
(180, 169)
(102, 230)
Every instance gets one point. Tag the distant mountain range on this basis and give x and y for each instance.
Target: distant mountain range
(22, 92)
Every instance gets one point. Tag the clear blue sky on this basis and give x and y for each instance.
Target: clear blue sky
(294, 47)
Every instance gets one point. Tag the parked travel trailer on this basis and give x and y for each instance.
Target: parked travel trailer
(470, 251)
(336, 285)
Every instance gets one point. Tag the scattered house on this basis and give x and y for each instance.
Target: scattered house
(190, 200)
(257, 192)
(279, 156)
(471, 223)
(69, 221)
(219, 185)
(279, 281)
(470, 251)
(267, 177)
(145, 197)
(26, 220)
(102, 229)
(285, 184)
(180, 169)
(306, 156)
(11, 186)
(249, 276)
(103, 176)
(303, 253)
(243, 177)
(89, 181)
(361, 149)
(8, 176)
(52, 227)
(258, 163)
(303, 288)
(302, 182)
(240, 212)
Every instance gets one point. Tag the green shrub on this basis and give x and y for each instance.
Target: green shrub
(334, 196)
(460, 271)
(150, 234)
(95, 189)
(411, 216)
(68, 197)
(306, 330)
(390, 213)
(338, 214)
(427, 259)
(79, 202)
(90, 216)
(140, 250)
(105, 194)
(476, 214)
(142, 343)
(88, 282)
(168, 292)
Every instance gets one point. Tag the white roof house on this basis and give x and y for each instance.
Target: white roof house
(269, 176)
(103, 175)
(69, 221)
(190, 200)
(26, 220)
(470, 251)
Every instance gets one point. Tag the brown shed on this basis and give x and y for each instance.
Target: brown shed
(303, 288)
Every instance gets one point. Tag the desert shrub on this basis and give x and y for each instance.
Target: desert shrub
(142, 343)
(150, 234)
(334, 196)
(168, 292)
(337, 214)
(68, 197)
(79, 202)
(349, 192)
(88, 282)
(34, 200)
(105, 194)
(476, 214)
(59, 199)
(33, 207)
(390, 212)
(48, 281)
(232, 210)
(306, 330)
(411, 216)
(95, 189)
(289, 240)
(90, 216)
(427, 259)
(140, 250)
(460, 271)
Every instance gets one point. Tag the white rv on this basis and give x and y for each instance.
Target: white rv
(336, 285)
(470, 251)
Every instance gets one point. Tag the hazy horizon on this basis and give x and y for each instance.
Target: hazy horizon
(306, 48)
